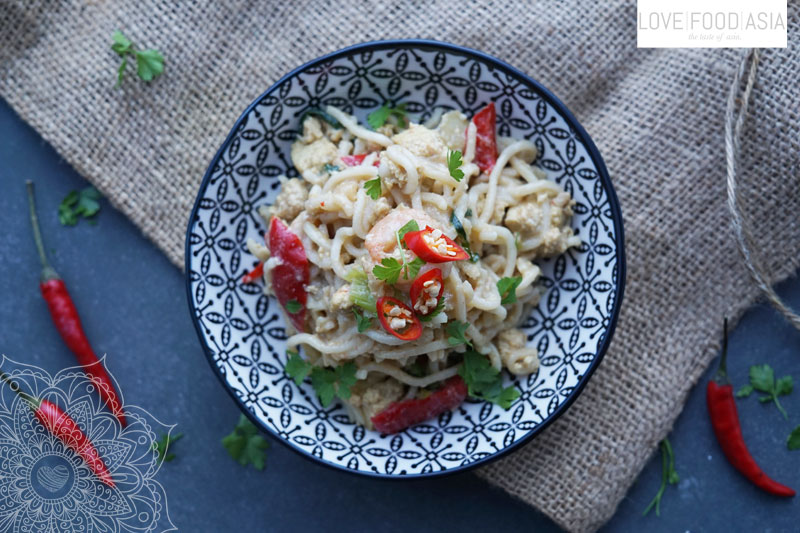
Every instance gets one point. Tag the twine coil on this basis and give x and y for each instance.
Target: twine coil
(734, 120)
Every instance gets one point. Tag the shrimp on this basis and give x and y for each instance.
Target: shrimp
(381, 240)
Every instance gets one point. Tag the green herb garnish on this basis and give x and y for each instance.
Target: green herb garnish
(409, 226)
(762, 379)
(378, 118)
(246, 445)
(484, 381)
(84, 203)
(373, 188)
(793, 442)
(454, 163)
(330, 169)
(161, 445)
(296, 367)
(456, 333)
(507, 287)
(329, 383)
(668, 475)
(390, 268)
(293, 306)
(363, 320)
(149, 63)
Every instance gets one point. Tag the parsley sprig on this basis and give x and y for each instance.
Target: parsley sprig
(378, 118)
(293, 306)
(507, 287)
(149, 63)
(363, 319)
(438, 309)
(162, 445)
(390, 268)
(84, 203)
(762, 379)
(327, 382)
(246, 445)
(484, 381)
(793, 441)
(373, 188)
(454, 163)
(668, 475)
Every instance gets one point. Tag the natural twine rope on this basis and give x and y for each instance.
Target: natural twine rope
(733, 131)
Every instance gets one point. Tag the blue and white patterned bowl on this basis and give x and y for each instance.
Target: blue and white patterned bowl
(243, 332)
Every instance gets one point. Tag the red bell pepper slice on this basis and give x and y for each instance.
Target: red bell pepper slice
(412, 330)
(426, 247)
(291, 275)
(420, 293)
(256, 273)
(401, 415)
(355, 160)
(485, 122)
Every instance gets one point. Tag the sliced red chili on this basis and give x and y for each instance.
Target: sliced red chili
(291, 275)
(439, 249)
(253, 275)
(427, 286)
(390, 310)
(355, 160)
(401, 415)
(485, 122)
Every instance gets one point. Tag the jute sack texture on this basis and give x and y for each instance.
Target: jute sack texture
(656, 116)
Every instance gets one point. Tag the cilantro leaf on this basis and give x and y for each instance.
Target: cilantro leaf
(121, 45)
(378, 118)
(453, 164)
(293, 306)
(296, 367)
(413, 268)
(161, 445)
(507, 287)
(78, 204)
(793, 442)
(246, 445)
(373, 188)
(484, 381)
(762, 379)
(456, 333)
(388, 270)
(438, 309)
(329, 383)
(149, 63)
(784, 386)
(409, 226)
(468, 212)
(363, 320)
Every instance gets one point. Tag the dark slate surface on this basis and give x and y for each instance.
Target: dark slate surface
(133, 306)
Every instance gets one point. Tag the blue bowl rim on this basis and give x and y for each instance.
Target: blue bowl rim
(594, 154)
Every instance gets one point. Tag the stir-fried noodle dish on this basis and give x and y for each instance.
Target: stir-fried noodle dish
(404, 258)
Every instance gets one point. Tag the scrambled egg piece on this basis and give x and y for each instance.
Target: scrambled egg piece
(528, 219)
(518, 358)
(290, 200)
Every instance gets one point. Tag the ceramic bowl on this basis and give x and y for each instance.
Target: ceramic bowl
(243, 332)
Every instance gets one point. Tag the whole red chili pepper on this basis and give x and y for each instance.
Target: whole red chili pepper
(68, 323)
(65, 429)
(725, 421)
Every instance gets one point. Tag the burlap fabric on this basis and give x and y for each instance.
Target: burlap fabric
(656, 115)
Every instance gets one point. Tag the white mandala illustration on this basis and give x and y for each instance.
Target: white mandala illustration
(45, 486)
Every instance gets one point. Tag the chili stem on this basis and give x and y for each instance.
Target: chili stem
(657, 500)
(15, 388)
(47, 271)
(722, 372)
